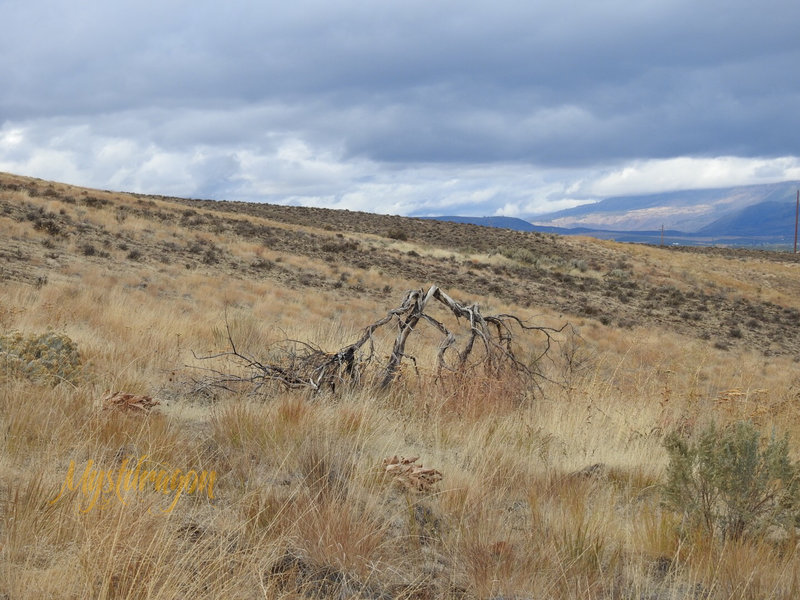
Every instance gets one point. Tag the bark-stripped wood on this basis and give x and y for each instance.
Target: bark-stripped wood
(489, 344)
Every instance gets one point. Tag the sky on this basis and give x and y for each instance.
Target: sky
(408, 107)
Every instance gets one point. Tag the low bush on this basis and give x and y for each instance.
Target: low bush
(397, 234)
(731, 482)
(524, 255)
(45, 358)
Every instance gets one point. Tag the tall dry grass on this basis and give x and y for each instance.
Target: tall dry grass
(546, 493)
(302, 506)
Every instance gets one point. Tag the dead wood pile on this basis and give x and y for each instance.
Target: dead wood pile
(490, 343)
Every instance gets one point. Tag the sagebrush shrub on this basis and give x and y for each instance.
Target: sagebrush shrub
(46, 358)
(732, 482)
(524, 255)
(397, 234)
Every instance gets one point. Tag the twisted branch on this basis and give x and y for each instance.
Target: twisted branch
(305, 365)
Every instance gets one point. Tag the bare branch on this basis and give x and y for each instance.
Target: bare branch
(304, 365)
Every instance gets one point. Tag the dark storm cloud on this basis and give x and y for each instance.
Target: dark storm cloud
(543, 84)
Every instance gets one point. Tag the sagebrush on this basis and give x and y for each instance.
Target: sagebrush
(732, 482)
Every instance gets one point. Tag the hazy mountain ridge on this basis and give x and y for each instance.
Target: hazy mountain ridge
(689, 211)
(743, 215)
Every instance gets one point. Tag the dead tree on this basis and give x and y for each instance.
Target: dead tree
(488, 342)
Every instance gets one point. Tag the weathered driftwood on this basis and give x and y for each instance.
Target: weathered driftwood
(409, 474)
(488, 344)
(129, 402)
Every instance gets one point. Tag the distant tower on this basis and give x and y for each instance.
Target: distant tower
(796, 216)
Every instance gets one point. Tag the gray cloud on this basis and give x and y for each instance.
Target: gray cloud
(317, 101)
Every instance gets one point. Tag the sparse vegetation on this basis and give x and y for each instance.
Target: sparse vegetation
(515, 493)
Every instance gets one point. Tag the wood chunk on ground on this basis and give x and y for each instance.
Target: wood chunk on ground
(129, 402)
(407, 473)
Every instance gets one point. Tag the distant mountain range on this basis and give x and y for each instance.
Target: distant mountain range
(760, 215)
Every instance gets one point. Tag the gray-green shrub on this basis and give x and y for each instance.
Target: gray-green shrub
(732, 482)
(45, 358)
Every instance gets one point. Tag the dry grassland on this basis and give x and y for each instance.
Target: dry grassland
(551, 493)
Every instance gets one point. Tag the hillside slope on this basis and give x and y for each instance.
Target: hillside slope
(119, 314)
(717, 298)
(768, 219)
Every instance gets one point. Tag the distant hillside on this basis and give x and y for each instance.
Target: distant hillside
(766, 219)
(500, 222)
(690, 211)
(767, 223)
(507, 223)
(646, 237)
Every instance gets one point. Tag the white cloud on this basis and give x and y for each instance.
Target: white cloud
(11, 137)
(641, 177)
(291, 169)
(509, 209)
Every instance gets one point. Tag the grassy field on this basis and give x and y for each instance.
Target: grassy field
(551, 490)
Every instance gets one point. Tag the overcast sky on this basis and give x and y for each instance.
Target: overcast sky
(405, 107)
